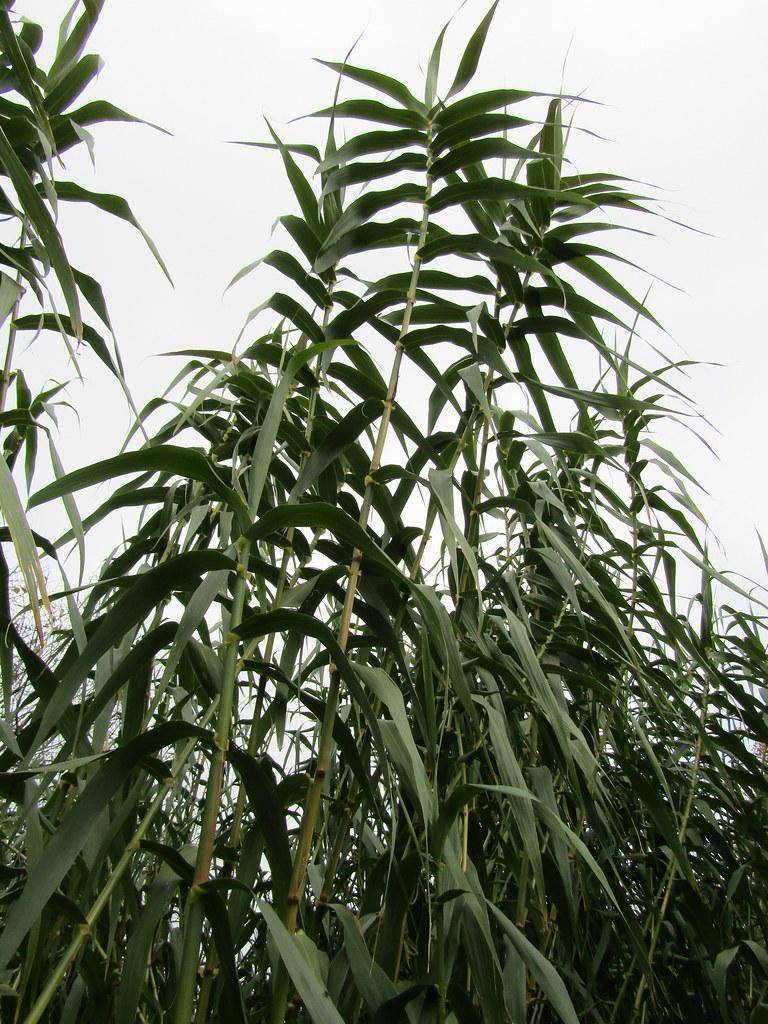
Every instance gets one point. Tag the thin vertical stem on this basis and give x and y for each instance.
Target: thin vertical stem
(672, 870)
(193, 926)
(414, 572)
(280, 587)
(82, 932)
(194, 910)
(314, 794)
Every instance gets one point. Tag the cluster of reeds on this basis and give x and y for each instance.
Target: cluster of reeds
(391, 707)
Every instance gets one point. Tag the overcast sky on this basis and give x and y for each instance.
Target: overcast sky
(685, 94)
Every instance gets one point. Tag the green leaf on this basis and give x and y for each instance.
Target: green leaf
(216, 912)
(262, 452)
(381, 83)
(24, 543)
(441, 483)
(18, 62)
(344, 434)
(474, 245)
(433, 68)
(285, 620)
(139, 656)
(151, 587)
(313, 992)
(70, 192)
(137, 951)
(499, 190)
(189, 463)
(478, 152)
(371, 203)
(371, 981)
(290, 267)
(95, 112)
(70, 837)
(321, 515)
(264, 801)
(69, 85)
(600, 276)
(482, 103)
(40, 220)
(663, 819)
(372, 110)
(409, 764)
(549, 980)
(301, 188)
(71, 44)
(471, 56)
(474, 128)
(362, 172)
(59, 324)
(373, 142)
(366, 238)
(10, 293)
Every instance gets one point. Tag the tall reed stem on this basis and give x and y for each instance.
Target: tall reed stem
(83, 931)
(314, 794)
(194, 910)
(282, 581)
(193, 927)
(277, 601)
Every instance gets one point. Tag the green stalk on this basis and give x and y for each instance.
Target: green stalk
(413, 574)
(314, 795)
(665, 890)
(83, 931)
(672, 870)
(194, 911)
(239, 812)
(282, 581)
(194, 916)
(442, 986)
(473, 527)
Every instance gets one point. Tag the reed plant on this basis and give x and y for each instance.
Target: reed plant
(414, 695)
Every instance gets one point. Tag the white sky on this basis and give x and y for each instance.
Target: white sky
(686, 92)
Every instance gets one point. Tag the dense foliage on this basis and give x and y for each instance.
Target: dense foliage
(391, 706)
